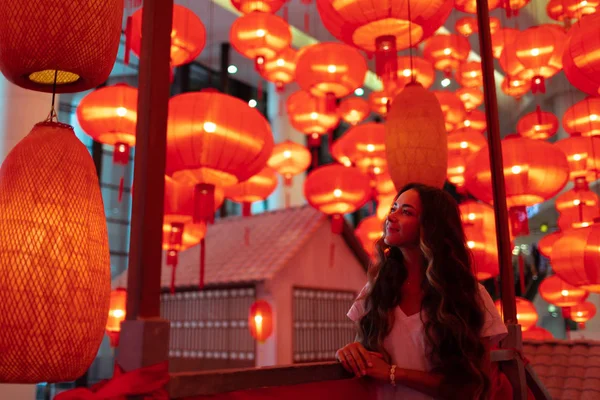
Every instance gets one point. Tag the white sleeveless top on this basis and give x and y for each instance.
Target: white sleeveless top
(406, 343)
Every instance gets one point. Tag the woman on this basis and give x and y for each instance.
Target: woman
(425, 325)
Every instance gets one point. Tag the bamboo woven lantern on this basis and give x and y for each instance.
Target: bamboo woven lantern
(583, 156)
(577, 207)
(416, 69)
(260, 320)
(484, 250)
(415, 138)
(446, 52)
(470, 97)
(515, 87)
(501, 38)
(547, 242)
(308, 115)
(558, 292)
(537, 333)
(55, 263)
(266, 6)
(467, 26)
(538, 125)
(583, 117)
(527, 315)
(452, 108)
(188, 35)
(354, 110)
(280, 70)
(257, 188)
(368, 231)
(78, 40)
(469, 74)
(289, 159)
(116, 315)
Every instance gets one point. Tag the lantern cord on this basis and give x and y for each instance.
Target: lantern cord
(410, 45)
(53, 115)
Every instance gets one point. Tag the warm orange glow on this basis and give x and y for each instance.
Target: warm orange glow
(452, 107)
(577, 207)
(501, 38)
(582, 155)
(527, 315)
(540, 49)
(307, 114)
(470, 6)
(281, 69)
(266, 6)
(420, 70)
(368, 231)
(558, 292)
(314, 72)
(583, 312)
(116, 315)
(188, 35)
(577, 9)
(471, 98)
(260, 320)
(258, 187)
(446, 52)
(547, 242)
(289, 159)
(364, 146)
(582, 118)
(380, 101)
(469, 74)
(482, 244)
(462, 143)
(515, 87)
(538, 125)
(474, 120)
(537, 333)
(478, 215)
(467, 26)
(260, 35)
(384, 204)
(354, 110)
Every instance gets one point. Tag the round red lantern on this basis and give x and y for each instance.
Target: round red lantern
(547, 242)
(558, 292)
(364, 146)
(583, 156)
(384, 184)
(467, 26)
(527, 315)
(354, 110)
(583, 312)
(501, 38)
(469, 74)
(116, 315)
(484, 251)
(452, 107)
(478, 215)
(537, 333)
(55, 258)
(576, 259)
(577, 9)
(308, 115)
(446, 52)
(582, 69)
(330, 70)
(74, 43)
(289, 159)
(411, 69)
(380, 101)
(512, 66)
(577, 207)
(556, 10)
(462, 143)
(260, 36)
(474, 119)
(471, 97)
(188, 35)
(470, 6)
(257, 188)
(515, 87)
(538, 124)
(281, 69)
(260, 320)
(266, 6)
(369, 231)
(583, 117)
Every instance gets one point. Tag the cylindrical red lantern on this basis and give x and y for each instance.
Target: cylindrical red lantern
(577, 207)
(558, 292)
(479, 215)
(260, 320)
(583, 156)
(260, 36)
(368, 231)
(188, 35)
(266, 6)
(583, 117)
(354, 110)
(538, 125)
(452, 108)
(446, 52)
(469, 74)
(467, 26)
(281, 69)
(257, 188)
(55, 258)
(527, 315)
(471, 97)
(74, 43)
(116, 315)
(289, 159)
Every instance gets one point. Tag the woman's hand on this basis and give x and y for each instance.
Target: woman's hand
(355, 358)
(380, 370)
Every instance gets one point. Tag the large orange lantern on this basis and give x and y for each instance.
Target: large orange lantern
(467, 26)
(537, 333)
(538, 124)
(547, 242)
(515, 87)
(583, 117)
(558, 292)
(412, 69)
(354, 110)
(501, 38)
(368, 231)
(416, 141)
(452, 108)
(577, 207)
(260, 36)
(257, 188)
(307, 114)
(582, 69)
(72, 43)
(482, 244)
(281, 69)
(583, 156)
(55, 260)
(469, 74)
(266, 6)
(576, 259)
(260, 320)
(188, 35)
(527, 315)
(446, 52)
(116, 315)
(330, 70)
(471, 97)
(364, 146)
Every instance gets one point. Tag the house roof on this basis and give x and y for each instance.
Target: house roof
(568, 369)
(274, 238)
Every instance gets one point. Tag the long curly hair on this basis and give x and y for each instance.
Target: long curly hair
(451, 310)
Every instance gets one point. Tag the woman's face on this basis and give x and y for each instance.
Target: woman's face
(402, 227)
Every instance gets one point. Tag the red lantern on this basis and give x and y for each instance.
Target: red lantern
(446, 52)
(364, 146)
(582, 313)
(289, 159)
(74, 43)
(330, 71)
(582, 69)
(538, 124)
(260, 36)
(368, 231)
(116, 315)
(478, 215)
(559, 293)
(583, 117)
(188, 35)
(257, 188)
(266, 6)
(577, 207)
(515, 87)
(471, 98)
(462, 143)
(381, 101)
(412, 69)
(576, 259)
(260, 320)
(474, 120)
(281, 69)
(527, 315)
(512, 7)
(484, 250)
(469, 74)
(467, 26)
(452, 107)
(470, 6)
(384, 184)
(502, 37)
(577, 9)
(308, 115)
(556, 10)
(583, 156)
(547, 242)
(537, 333)
(354, 110)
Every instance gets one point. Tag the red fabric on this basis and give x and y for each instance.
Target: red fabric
(148, 382)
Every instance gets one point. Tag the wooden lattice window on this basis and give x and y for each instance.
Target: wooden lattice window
(209, 328)
(321, 326)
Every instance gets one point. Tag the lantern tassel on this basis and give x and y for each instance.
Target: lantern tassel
(172, 260)
(202, 261)
(128, 30)
(538, 84)
(519, 223)
(330, 103)
(204, 204)
(246, 209)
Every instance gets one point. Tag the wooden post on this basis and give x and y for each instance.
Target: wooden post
(144, 337)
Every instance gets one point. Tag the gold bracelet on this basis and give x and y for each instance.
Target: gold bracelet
(393, 375)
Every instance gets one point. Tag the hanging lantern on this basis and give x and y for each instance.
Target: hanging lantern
(364, 147)
(513, 66)
(583, 117)
(462, 143)
(260, 36)
(469, 74)
(577, 9)
(556, 10)
(383, 184)
(527, 315)
(265, 6)
(547, 242)
(289, 159)
(188, 35)
(512, 7)
(484, 252)
(354, 110)
(582, 313)
(478, 215)
(471, 98)
(538, 125)
(467, 26)
(380, 101)
(54, 248)
(581, 67)
(474, 120)
(257, 188)
(470, 6)
(116, 315)
(308, 116)
(575, 257)
(501, 38)
(446, 52)
(515, 87)
(409, 70)
(416, 141)
(583, 156)
(577, 207)
(330, 71)
(537, 333)
(369, 231)
(383, 29)
(452, 108)
(74, 43)
(281, 69)
(559, 293)
(260, 320)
